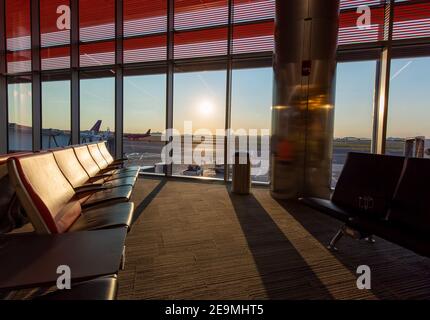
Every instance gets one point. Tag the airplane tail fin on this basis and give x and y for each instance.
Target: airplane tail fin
(149, 131)
(96, 127)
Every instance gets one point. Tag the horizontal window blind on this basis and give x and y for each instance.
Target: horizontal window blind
(253, 10)
(252, 38)
(142, 17)
(18, 36)
(350, 32)
(253, 26)
(55, 58)
(201, 43)
(18, 61)
(144, 49)
(96, 20)
(354, 4)
(191, 14)
(52, 34)
(18, 32)
(411, 19)
(97, 54)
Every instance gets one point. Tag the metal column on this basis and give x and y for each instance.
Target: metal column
(119, 80)
(383, 84)
(36, 87)
(3, 81)
(303, 104)
(74, 60)
(170, 71)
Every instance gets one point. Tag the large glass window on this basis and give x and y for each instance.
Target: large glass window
(251, 116)
(198, 111)
(97, 109)
(55, 113)
(144, 120)
(20, 114)
(353, 126)
(408, 128)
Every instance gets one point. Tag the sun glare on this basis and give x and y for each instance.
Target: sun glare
(206, 107)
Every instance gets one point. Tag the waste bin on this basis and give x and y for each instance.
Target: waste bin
(241, 179)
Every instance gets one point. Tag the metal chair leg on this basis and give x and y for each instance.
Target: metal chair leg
(335, 239)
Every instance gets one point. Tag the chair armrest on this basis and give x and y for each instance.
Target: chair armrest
(100, 176)
(90, 187)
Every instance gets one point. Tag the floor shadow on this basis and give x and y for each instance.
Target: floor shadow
(284, 273)
(148, 199)
(397, 273)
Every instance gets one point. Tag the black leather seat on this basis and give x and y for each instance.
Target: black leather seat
(99, 289)
(394, 232)
(367, 183)
(365, 187)
(395, 193)
(410, 206)
(328, 207)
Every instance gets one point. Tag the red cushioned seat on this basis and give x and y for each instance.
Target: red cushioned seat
(51, 202)
(93, 170)
(104, 165)
(12, 215)
(78, 177)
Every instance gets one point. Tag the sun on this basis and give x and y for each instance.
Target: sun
(206, 107)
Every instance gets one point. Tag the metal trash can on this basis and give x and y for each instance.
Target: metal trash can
(241, 179)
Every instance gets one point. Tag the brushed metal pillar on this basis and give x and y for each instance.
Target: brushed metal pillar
(304, 83)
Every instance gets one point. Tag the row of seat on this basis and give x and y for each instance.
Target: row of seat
(385, 196)
(66, 190)
(73, 189)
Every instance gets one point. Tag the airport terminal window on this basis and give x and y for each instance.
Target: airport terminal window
(199, 101)
(97, 110)
(353, 125)
(20, 114)
(408, 129)
(55, 114)
(251, 114)
(144, 120)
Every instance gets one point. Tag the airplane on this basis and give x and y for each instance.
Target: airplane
(91, 135)
(94, 133)
(137, 136)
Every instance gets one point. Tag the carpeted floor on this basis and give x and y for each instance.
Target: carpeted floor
(194, 240)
